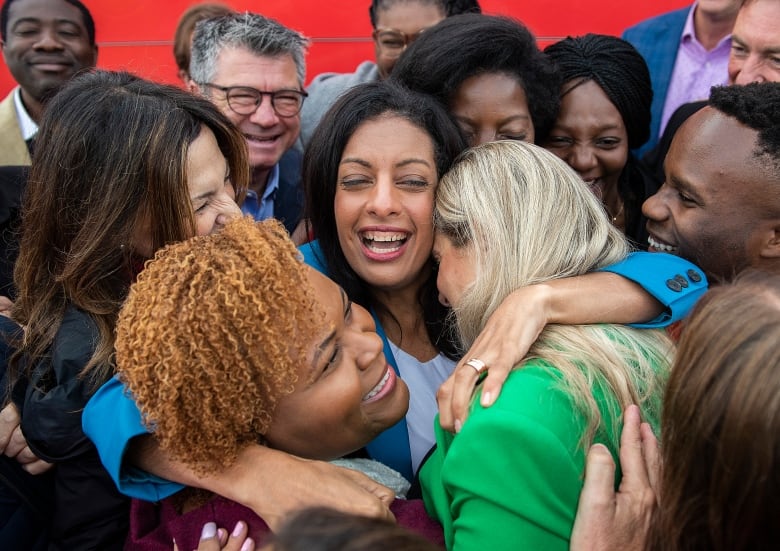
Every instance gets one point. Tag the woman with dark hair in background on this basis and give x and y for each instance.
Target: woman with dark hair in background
(604, 114)
(490, 75)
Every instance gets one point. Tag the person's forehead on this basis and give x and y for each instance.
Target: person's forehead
(711, 150)
(759, 20)
(44, 10)
(239, 55)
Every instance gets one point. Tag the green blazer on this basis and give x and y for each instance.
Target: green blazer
(512, 477)
(13, 150)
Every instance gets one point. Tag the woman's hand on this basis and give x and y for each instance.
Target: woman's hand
(619, 520)
(272, 483)
(598, 297)
(289, 484)
(510, 331)
(213, 539)
(5, 306)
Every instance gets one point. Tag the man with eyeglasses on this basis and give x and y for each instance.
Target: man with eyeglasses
(253, 69)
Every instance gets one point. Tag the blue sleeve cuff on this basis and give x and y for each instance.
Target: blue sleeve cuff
(111, 419)
(673, 281)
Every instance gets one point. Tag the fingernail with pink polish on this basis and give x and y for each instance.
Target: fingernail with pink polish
(237, 530)
(487, 399)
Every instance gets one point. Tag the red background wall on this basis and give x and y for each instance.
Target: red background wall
(137, 35)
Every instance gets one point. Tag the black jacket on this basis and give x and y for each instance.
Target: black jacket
(89, 512)
(12, 184)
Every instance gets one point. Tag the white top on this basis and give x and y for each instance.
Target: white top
(26, 124)
(423, 380)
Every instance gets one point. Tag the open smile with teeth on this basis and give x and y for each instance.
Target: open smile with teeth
(382, 242)
(379, 386)
(657, 245)
(258, 139)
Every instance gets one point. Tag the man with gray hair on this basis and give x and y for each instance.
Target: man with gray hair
(253, 69)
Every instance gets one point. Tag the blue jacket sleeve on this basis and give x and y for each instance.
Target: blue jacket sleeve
(111, 419)
(673, 281)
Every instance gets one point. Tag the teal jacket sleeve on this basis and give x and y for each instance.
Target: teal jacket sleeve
(673, 281)
(111, 419)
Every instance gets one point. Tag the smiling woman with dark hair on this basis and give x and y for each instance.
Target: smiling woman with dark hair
(604, 114)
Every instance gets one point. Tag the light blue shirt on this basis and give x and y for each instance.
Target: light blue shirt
(264, 207)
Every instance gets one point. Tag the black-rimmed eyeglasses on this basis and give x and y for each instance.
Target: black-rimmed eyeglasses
(245, 100)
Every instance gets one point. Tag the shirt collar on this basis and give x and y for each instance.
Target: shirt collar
(273, 183)
(26, 124)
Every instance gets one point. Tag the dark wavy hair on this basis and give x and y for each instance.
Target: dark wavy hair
(618, 68)
(466, 45)
(360, 104)
(89, 23)
(110, 160)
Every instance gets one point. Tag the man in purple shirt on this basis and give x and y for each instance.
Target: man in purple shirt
(687, 52)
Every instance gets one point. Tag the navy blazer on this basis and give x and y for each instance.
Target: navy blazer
(288, 203)
(658, 40)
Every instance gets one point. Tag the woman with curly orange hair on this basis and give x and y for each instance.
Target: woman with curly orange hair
(229, 340)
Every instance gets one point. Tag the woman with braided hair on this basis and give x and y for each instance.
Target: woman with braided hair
(604, 114)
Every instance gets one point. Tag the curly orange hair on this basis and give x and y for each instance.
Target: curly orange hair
(212, 334)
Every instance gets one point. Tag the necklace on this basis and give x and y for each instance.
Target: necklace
(619, 212)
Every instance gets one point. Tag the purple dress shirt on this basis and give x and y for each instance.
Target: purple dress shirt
(696, 70)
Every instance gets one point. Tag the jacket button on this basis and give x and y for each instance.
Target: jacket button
(674, 285)
(694, 276)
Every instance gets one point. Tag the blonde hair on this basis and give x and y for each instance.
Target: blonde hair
(212, 335)
(528, 219)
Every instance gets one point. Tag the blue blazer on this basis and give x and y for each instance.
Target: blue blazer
(288, 203)
(658, 40)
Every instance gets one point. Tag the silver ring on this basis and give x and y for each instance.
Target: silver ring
(478, 365)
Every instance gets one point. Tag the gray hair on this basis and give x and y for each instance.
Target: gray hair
(260, 35)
